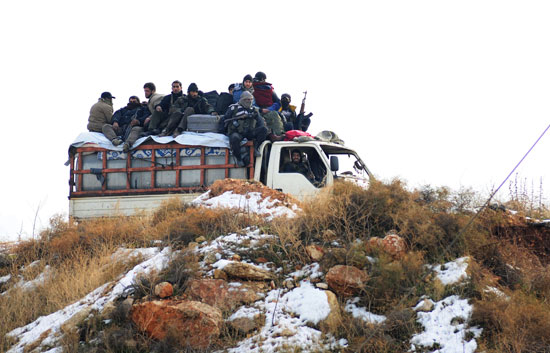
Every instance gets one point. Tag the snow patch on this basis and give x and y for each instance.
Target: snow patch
(446, 327)
(251, 202)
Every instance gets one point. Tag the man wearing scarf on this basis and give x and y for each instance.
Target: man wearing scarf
(127, 124)
(241, 121)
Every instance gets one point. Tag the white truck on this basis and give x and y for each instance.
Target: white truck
(105, 182)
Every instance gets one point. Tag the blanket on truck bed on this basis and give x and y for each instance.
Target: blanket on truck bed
(209, 139)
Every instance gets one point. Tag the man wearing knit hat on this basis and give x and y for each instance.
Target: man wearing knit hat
(239, 88)
(192, 103)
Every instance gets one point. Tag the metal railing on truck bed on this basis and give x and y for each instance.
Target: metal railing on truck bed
(151, 168)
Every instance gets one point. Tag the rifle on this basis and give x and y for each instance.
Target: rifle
(302, 120)
(240, 117)
(303, 106)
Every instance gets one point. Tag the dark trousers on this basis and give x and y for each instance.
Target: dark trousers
(258, 134)
(179, 120)
(158, 121)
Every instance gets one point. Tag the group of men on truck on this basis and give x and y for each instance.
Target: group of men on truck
(250, 109)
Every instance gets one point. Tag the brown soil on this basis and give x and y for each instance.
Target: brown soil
(242, 187)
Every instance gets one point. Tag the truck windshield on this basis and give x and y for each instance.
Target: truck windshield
(350, 165)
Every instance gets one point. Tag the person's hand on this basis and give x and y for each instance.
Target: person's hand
(147, 120)
(158, 109)
(265, 111)
(134, 122)
(115, 126)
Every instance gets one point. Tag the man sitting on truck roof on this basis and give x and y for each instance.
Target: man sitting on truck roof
(239, 88)
(153, 97)
(296, 165)
(101, 112)
(241, 121)
(127, 124)
(161, 115)
(269, 104)
(192, 103)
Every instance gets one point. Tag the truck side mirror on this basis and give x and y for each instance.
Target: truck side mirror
(334, 166)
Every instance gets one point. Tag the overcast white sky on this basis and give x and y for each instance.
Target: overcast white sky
(434, 92)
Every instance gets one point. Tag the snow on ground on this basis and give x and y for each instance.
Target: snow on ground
(362, 313)
(251, 202)
(308, 271)
(229, 244)
(446, 329)
(47, 328)
(452, 272)
(285, 322)
(225, 246)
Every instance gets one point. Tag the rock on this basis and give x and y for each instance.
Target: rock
(220, 294)
(200, 239)
(210, 258)
(346, 280)
(321, 285)
(426, 305)
(247, 324)
(220, 274)
(164, 290)
(392, 244)
(189, 322)
(334, 318)
(315, 252)
(192, 245)
(247, 271)
(236, 257)
(126, 306)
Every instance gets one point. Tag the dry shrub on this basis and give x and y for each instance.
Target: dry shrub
(181, 223)
(516, 267)
(392, 282)
(517, 324)
(391, 336)
(347, 212)
(182, 268)
(65, 240)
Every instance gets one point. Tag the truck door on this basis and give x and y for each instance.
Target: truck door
(300, 176)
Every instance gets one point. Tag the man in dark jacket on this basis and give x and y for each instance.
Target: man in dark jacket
(192, 103)
(225, 100)
(297, 166)
(161, 115)
(242, 120)
(127, 124)
(269, 104)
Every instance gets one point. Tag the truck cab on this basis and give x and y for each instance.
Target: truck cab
(325, 162)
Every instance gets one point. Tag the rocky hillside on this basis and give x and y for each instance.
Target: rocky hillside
(249, 269)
